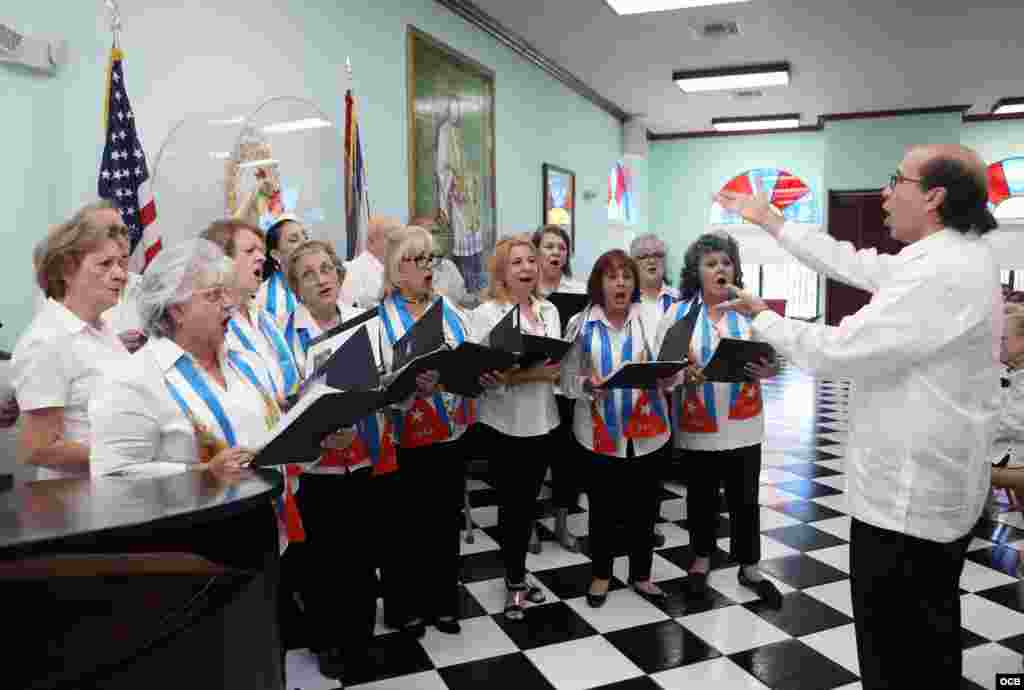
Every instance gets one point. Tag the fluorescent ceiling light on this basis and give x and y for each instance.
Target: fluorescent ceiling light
(643, 6)
(230, 121)
(1007, 106)
(296, 126)
(258, 164)
(740, 124)
(220, 155)
(733, 78)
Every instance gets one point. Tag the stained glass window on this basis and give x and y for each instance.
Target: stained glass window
(1006, 188)
(621, 200)
(788, 193)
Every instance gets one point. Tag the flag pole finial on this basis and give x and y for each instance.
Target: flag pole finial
(115, 20)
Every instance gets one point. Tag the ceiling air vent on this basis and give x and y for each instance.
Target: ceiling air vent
(717, 30)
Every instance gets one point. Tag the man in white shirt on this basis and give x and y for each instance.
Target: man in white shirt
(364, 275)
(924, 408)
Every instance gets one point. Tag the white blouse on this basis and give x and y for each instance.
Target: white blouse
(653, 309)
(364, 278)
(578, 363)
(725, 408)
(136, 421)
(59, 362)
(526, 409)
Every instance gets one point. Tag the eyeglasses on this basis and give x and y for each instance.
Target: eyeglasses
(312, 276)
(654, 255)
(424, 261)
(218, 295)
(899, 177)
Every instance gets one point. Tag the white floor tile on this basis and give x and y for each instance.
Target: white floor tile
(486, 516)
(977, 544)
(477, 485)
(732, 629)
(773, 519)
(623, 609)
(553, 556)
(674, 535)
(301, 671)
(481, 542)
(490, 594)
(579, 523)
(988, 619)
(675, 487)
(770, 548)
(836, 502)
(838, 644)
(836, 556)
(835, 594)
(429, 680)
(719, 674)
(976, 578)
(724, 581)
(837, 527)
(673, 509)
(585, 663)
(836, 482)
(774, 475)
(481, 638)
(982, 663)
(661, 569)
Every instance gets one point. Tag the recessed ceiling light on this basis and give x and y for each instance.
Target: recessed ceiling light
(1007, 106)
(740, 124)
(733, 78)
(644, 6)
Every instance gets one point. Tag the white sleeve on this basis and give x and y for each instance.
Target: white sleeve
(40, 374)
(865, 269)
(897, 329)
(125, 428)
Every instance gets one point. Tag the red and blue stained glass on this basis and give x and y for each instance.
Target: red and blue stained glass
(787, 192)
(1005, 182)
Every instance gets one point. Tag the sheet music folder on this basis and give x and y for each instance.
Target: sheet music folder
(568, 305)
(731, 355)
(676, 345)
(642, 374)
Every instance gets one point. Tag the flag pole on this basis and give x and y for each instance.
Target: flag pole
(115, 21)
(362, 144)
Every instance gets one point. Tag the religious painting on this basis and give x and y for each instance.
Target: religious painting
(451, 153)
(559, 199)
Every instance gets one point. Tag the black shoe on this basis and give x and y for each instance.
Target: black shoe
(414, 628)
(659, 540)
(768, 592)
(330, 663)
(596, 601)
(697, 584)
(448, 625)
(656, 598)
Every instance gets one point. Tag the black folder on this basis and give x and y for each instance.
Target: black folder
(353, 366)
(506, 334)
(642, 374)
(461, 372)
(345, 326)
(675, 347)
(731, 355)
(320, 413)
(425, 336)
(537, 349)
(568, 305)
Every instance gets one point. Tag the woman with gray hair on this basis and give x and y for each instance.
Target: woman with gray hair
(721, 425)
(58, 362)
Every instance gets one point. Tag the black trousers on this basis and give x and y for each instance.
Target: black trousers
(740, 470)
(562, 457)
(517, 466)
(337, 583)
(621, 493)
(906, 608)
(426, 581)
(387, 523)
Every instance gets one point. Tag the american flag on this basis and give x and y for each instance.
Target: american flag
(356, 199)
(124, 175)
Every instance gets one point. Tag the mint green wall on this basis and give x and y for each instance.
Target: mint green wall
(862, 154)
(187, 56)
(683, 174)
(996, 140)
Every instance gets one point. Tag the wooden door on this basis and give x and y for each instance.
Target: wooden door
(855, 217)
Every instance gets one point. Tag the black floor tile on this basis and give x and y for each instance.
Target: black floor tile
(800, 614)
(638, 683)
(807, 511)
(810, 470)
(807, 489)
(483, 497)
(389, 656)
(546, 624)
(683, 557)
(792, 665)
(1002, 558)
(571, 581)
(661, 646)
(969, 639)
(508, 671)
(721, 530)
(1016, 643)
(803, 537)
(1011, 596)
(486, 565)
(680, 603)
(801, 572)
(469, 607)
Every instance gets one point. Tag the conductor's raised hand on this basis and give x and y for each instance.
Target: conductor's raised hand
(755, 208)
(743, 302)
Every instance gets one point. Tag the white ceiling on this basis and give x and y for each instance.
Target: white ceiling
(845, 56)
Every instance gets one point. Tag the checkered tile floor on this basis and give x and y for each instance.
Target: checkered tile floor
(730, 641)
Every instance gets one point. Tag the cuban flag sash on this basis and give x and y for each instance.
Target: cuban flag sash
(278, 292)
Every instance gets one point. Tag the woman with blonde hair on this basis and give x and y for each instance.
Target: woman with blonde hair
(1007, 463)
(429, 427)
(57, 364)
(519, 415)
